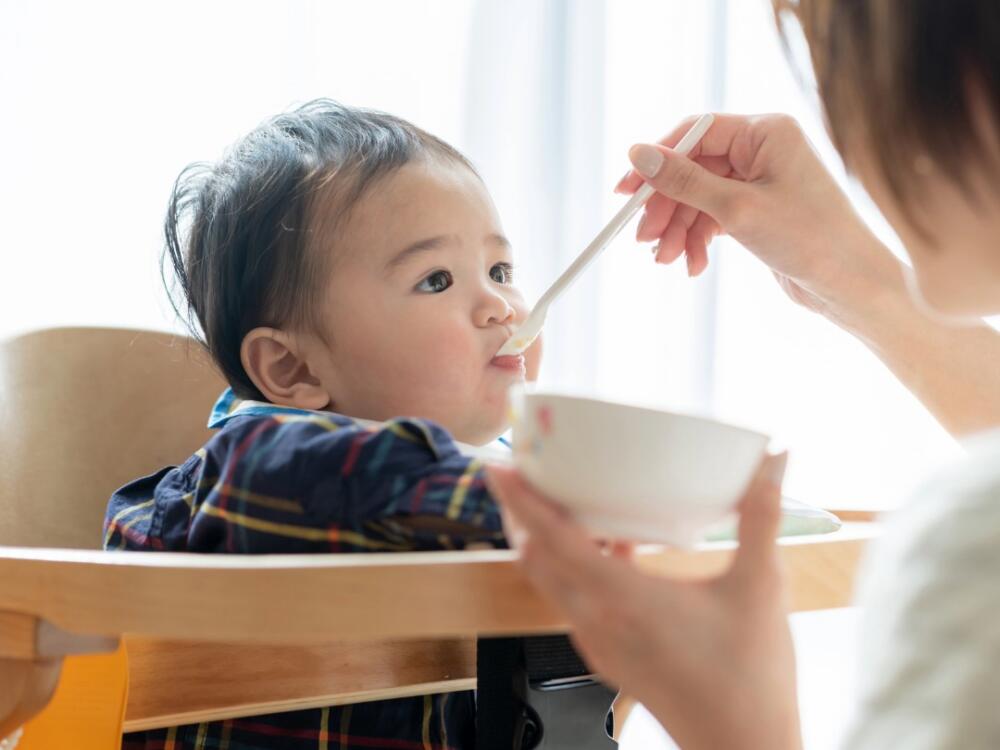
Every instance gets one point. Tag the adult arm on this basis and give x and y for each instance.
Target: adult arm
(758, 179)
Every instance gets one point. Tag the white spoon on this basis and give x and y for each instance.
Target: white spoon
(528, 331)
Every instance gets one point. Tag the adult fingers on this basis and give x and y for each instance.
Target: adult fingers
(558, 554)
(720, 165)
(671, 243)
(553, 575)
(537, 517)
(699, 237)
(760, 517)
(659, 212)
(623, 550)
(629, 183)
(662, 211)
(632, 179)
(715, 146)
(684, 180)
(617, 548)
(524, 510)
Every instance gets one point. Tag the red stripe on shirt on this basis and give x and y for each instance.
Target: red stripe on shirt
(352, 454)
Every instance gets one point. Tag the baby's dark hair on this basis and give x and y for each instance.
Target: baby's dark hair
(239, 233)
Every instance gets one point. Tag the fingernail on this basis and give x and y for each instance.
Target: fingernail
(646, 159)
(774, 471)
(618, 185)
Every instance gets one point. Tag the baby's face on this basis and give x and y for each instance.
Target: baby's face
(419, 298)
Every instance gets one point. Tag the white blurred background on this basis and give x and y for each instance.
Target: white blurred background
(104, 103)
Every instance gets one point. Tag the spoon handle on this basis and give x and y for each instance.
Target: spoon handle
(599, 243)
(619, 220)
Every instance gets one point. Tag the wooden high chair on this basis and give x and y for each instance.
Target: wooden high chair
(82, 411)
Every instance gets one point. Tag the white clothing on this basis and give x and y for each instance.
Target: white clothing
(929, 670)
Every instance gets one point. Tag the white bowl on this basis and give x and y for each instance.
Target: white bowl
(629, 472)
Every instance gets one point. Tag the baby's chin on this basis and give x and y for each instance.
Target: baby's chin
(481, 433)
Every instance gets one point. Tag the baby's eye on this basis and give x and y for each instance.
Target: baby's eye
(502, 273)
(436, 283)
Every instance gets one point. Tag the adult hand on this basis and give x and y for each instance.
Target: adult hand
(758, 179)
(713, 659)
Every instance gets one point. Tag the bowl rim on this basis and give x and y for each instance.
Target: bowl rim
(526, 390)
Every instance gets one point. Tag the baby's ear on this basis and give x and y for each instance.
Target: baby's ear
(273, 362)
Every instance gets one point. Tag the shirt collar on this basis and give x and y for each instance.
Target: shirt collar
(229, 406)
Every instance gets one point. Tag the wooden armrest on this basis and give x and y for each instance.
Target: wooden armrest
(389, 625)
(274, 598)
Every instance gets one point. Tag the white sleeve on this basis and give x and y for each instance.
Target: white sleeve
(929, 674)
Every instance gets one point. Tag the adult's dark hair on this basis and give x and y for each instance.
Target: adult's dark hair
(242, 234)
(896, 77)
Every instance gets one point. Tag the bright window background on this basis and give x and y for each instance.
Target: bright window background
(106, 102)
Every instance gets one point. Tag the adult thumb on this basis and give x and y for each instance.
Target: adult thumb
(684, 180)
(760, 518)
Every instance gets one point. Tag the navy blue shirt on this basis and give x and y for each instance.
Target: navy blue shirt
(281, 480)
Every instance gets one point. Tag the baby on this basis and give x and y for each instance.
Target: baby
(350, 277)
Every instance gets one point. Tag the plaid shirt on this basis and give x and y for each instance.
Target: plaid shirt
(280, 480)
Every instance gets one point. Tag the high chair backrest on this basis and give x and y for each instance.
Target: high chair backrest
(84, 410)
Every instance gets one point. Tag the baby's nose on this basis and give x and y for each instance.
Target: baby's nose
(506, 317)
(495, 311)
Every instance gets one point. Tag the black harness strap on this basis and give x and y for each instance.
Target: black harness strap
(536, 693)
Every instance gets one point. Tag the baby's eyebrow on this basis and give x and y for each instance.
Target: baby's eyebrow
(499, 239)
(436, 243)
(420, 246)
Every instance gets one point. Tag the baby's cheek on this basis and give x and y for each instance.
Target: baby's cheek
(453, 354)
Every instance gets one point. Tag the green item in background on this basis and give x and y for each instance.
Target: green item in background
(797, 519)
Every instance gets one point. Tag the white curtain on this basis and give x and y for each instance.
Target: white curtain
(535, 128)
(557, 91)
(105, 102)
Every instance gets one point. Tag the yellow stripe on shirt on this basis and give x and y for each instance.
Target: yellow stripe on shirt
(121, 514)
(264, 501)
(399, 431)
(324, 729)
(462, 489)
(298, 532)
(426, 728)
(253, 498)
(317, 419)
(345, 727)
